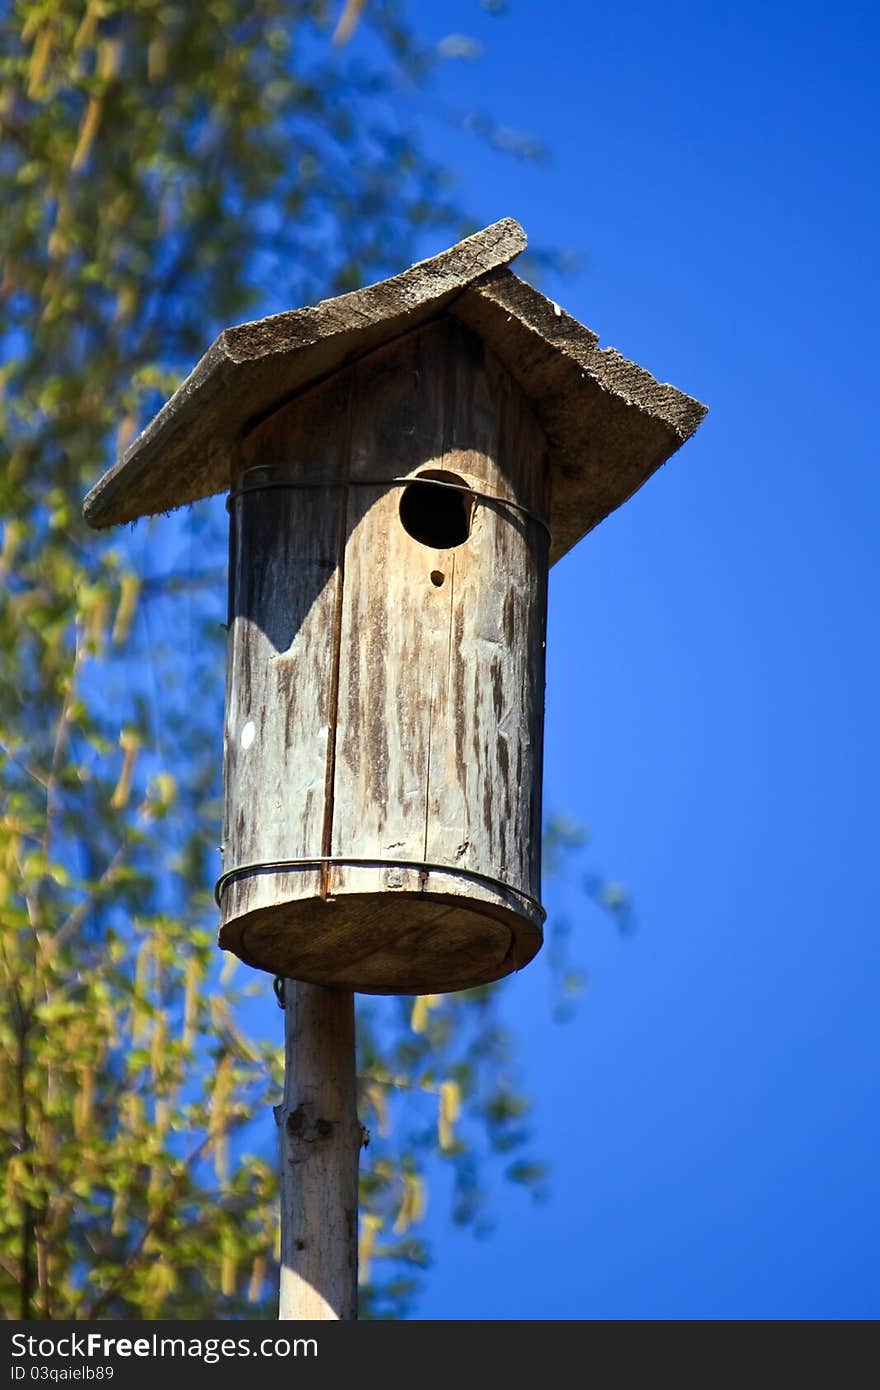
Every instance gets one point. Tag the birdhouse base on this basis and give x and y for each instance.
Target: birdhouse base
(387, 943)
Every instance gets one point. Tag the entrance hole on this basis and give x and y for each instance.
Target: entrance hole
(439, 517)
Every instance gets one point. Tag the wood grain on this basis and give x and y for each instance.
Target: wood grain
(284, 589)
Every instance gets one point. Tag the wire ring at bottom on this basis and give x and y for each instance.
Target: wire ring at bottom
(315, 861)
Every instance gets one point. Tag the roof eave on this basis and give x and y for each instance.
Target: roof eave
(183, 454)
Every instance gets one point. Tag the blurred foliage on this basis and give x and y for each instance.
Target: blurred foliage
(165, 168)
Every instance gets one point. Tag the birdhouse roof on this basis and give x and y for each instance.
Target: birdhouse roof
(608, 422)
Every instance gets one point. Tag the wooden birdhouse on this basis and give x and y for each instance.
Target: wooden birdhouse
(404, 463)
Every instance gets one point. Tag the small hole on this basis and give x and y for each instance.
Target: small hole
(439, 517)
(437, 577)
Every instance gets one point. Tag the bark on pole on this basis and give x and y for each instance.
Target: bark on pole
(320, 1142)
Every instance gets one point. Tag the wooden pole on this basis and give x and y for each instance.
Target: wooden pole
(320, 1143)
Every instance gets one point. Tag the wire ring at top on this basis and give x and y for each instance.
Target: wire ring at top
(387, 482)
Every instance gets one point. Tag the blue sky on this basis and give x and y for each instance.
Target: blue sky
(710, 1115)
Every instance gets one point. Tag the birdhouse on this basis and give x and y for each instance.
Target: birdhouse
(403, 465)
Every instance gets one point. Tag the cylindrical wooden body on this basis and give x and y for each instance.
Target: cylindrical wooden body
(385, 696)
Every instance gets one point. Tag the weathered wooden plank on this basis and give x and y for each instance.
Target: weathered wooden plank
(284, 591)
(394, 622)
(486, 763)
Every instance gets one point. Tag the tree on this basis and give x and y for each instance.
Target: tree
(165, 168)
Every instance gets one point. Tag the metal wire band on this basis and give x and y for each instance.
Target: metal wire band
(388, 482)
(314, 861)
